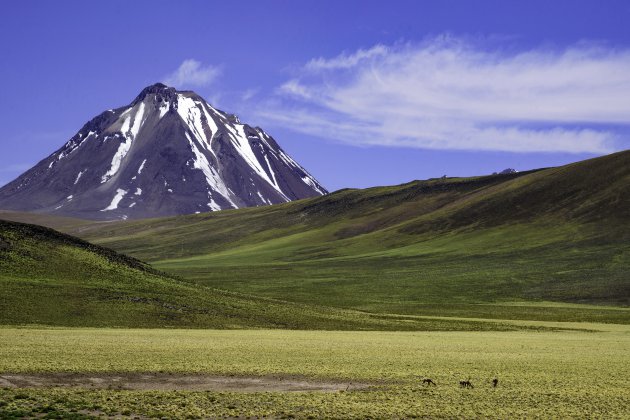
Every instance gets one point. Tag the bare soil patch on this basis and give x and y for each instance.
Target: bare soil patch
(173, 382)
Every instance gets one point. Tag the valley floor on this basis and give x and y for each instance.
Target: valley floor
(580, 371)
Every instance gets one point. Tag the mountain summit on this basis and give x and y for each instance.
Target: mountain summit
(169, 152)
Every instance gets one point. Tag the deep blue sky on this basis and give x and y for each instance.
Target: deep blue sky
(63, 62)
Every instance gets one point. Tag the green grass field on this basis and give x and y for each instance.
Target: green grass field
(57, 280)
(461, 247)
(441, 276)
(541, 374)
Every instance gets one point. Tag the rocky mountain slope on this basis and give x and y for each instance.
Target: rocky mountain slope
(169, 152)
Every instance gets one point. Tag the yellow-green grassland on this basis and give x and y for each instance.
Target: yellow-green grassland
(574, 373)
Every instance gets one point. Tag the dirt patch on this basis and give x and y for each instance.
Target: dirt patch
(173, 382)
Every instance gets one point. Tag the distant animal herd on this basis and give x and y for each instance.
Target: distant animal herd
(462, 384)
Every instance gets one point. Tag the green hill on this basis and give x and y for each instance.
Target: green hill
(48, 278)
(526, 246)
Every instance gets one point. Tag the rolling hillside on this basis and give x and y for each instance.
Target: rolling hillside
(526, 246)
(48, 278)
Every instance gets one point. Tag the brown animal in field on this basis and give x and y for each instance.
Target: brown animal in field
(495, 382)
(428, 381)
(466, 384)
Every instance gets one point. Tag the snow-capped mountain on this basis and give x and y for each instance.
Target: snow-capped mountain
(169, 152)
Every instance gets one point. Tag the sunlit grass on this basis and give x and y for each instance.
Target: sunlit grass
(548, 374)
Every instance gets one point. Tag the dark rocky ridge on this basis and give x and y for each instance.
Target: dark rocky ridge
(167, 153)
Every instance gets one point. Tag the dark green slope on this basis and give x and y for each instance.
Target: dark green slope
(48, 278)
(592, 191)
(500, 246)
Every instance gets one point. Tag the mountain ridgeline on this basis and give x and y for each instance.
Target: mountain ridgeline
(167, 153)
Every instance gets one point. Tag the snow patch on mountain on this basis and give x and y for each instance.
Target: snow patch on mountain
(78, 177)
(189, 111)
(212, 177)
(137, 121)
(120, 194)
(273, 175)
(141, 166)
(311, 183)
(164, 108)
(241, 142)
(129, 132)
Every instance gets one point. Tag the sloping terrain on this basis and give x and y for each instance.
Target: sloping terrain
(525, 245)
(166, 153)
(48, 278)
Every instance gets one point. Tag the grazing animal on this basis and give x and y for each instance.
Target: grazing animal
(466, 384)
(495, 382)
(428, 381)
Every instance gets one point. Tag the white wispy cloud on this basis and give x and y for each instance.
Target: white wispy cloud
(345, 60)
(192, 73)
(449, 94)
(249, 94)
(294, 88)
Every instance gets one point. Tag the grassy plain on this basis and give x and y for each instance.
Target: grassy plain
(541, 374)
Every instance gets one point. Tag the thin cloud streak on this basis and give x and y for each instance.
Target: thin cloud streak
(344, 60)
(448, 94)
(192, 73)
